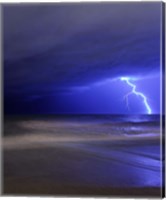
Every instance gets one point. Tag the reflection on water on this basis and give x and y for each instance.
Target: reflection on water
(89, 151)
(88, 124)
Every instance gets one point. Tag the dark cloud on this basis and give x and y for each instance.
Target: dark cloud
(52, 46)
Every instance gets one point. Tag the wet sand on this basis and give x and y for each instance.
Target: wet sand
(88, 165)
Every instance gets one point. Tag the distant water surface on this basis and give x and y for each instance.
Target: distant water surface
(103, 123)
(82, 151)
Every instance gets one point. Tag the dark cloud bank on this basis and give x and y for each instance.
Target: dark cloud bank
(48, 48)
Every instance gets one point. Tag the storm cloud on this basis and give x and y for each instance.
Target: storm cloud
(62, 57)
(77, 44)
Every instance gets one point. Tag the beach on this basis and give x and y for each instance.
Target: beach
(87, 156)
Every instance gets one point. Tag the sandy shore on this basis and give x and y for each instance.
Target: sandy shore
(86, 158)
(107, 167)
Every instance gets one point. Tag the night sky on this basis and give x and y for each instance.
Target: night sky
(68, 58)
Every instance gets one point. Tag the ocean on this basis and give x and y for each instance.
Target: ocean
(82, 155)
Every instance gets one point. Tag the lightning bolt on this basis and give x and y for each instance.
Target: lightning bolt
(136, 93)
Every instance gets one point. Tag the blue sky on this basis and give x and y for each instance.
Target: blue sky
(68, 58)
